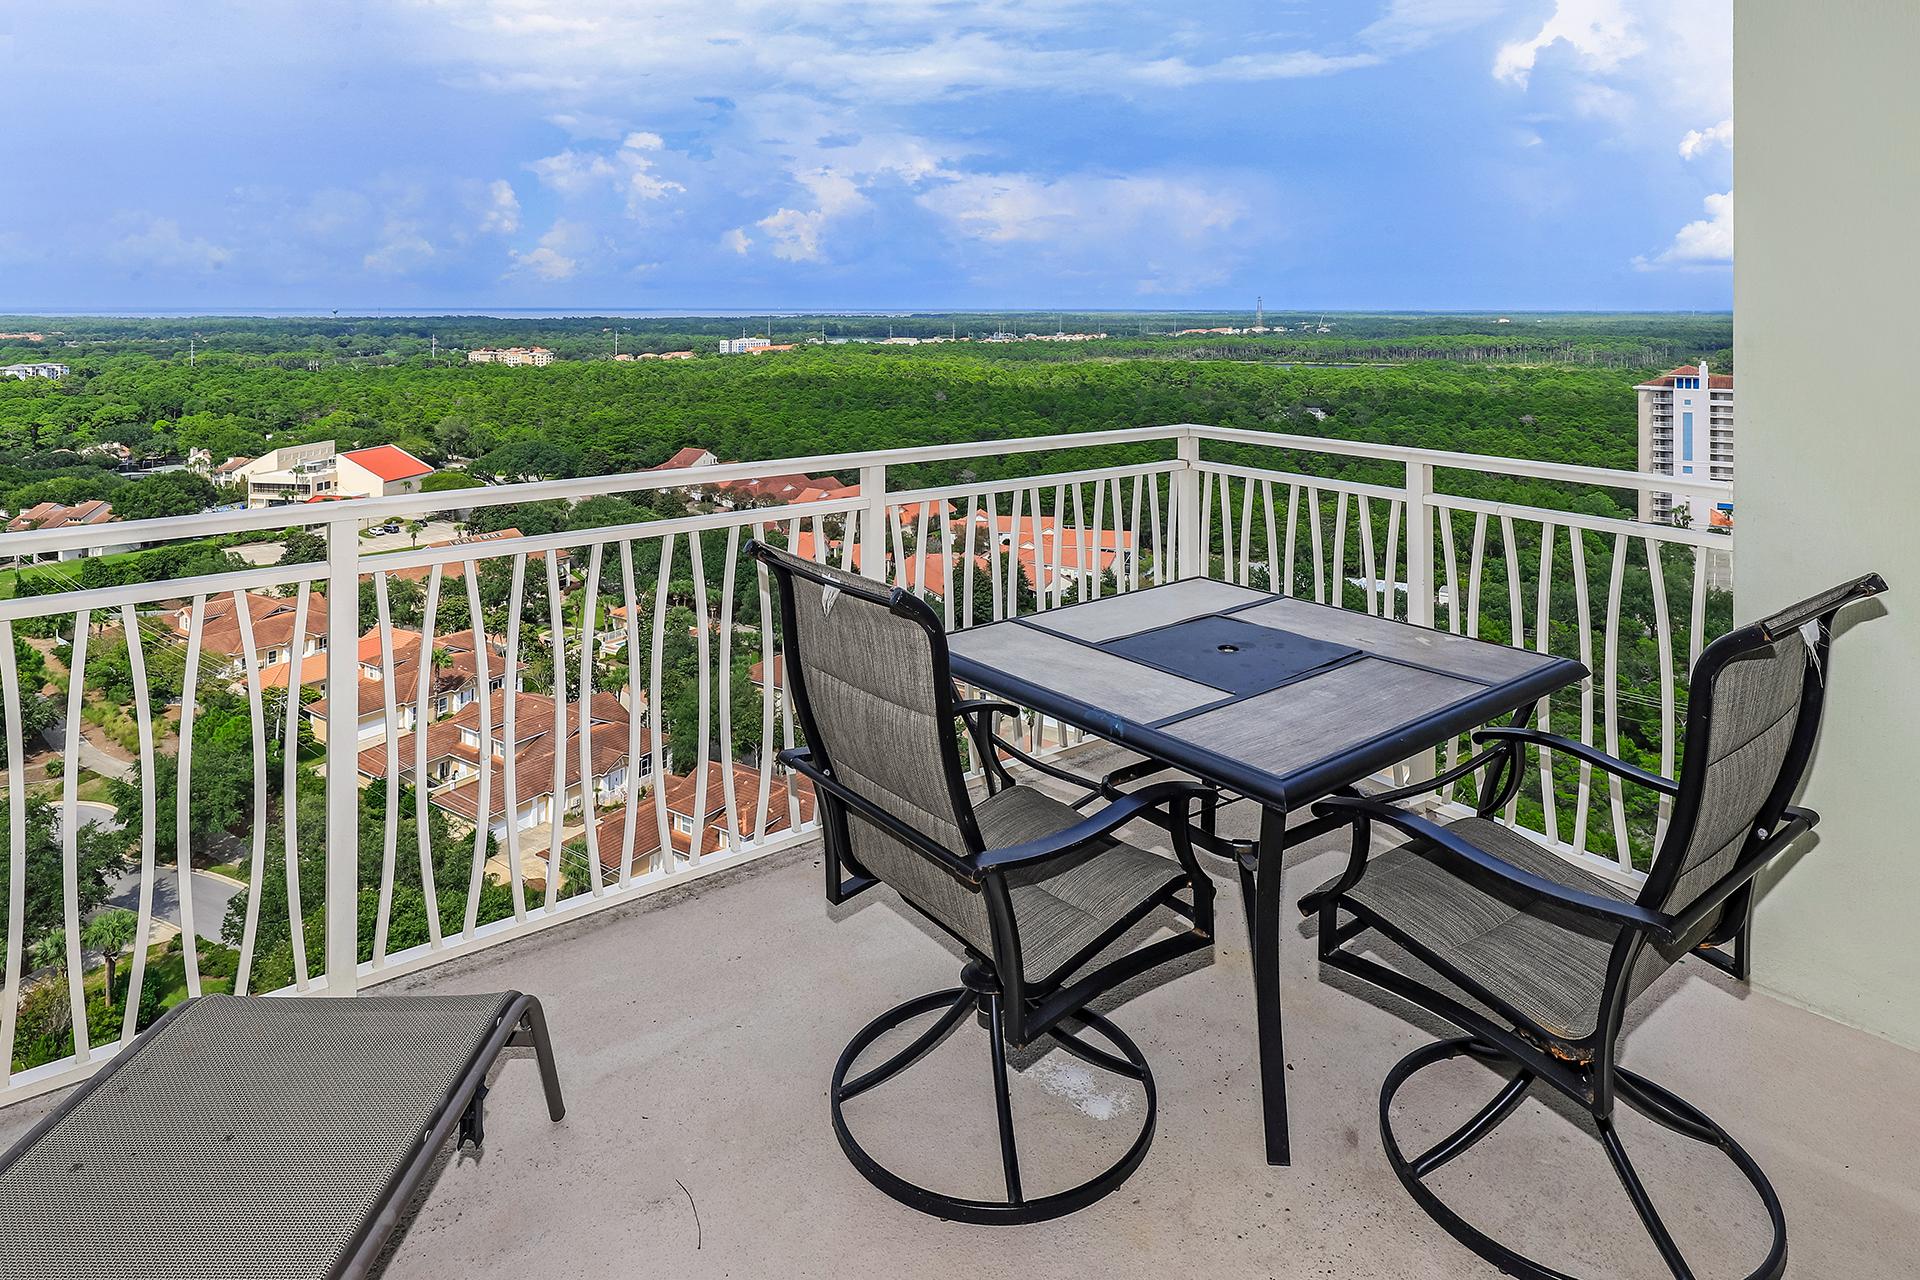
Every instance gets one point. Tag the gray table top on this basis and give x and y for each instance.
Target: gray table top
(1278, 698)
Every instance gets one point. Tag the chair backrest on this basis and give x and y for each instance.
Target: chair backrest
(867, 668)
(1754, 708)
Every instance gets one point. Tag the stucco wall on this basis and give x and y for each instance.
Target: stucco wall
(1826, 291)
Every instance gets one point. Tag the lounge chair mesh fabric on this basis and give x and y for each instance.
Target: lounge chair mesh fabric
(870, 677)
(250, 1137)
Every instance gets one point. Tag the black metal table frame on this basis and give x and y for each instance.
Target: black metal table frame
(1259, 865)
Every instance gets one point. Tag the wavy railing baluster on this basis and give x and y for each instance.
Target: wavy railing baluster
(728, 788)
(509, 741)
(256, 876)
(1450, 558)
(663, 854)
(1338, 568)
(1616, 797)
(1550, 818)
(1583, 606)
(967, 565)
(390, 735)
(1013, 558)
(290, 781)
(786, 719)
(630, 829)
(1290, 554)
(1697, 616)
(1516, 619)
(589, 639)
(1317, 544)
(509, 802)
(1134, 527)
(1476, 559)
(1246, 530)
(698, 843)
(1390, 597)
(70, 832)
(422, 781)
(768, 685)
(143, 721)
(1100, 539)
(1153, 514)
(557, 802)
(183, 787)
(16, 847)
(1663, 643)
(509, 733)
(1369, 564)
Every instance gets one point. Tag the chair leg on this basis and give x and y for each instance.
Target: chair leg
(1653, 1101)
(1002, 1103)
(1016, 1208)
(533, 1031)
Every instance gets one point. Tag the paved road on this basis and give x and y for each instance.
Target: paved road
(91, 756)
(211, 893)
(92, 814)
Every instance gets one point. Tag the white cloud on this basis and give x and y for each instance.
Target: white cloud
(1601, 33)
(501, 215)
(1172, 232)
(402, 249)
(628, 169)
(1412, 24)
(572, 173)
(1699, 141)
(1705, 242)
(643, 184)
(558, 254)
(736, 240)
(160, 243)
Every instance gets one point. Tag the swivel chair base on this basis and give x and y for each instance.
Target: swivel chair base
(1016, 1208)
(1656, 1103)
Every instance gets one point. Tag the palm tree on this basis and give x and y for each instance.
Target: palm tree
(109, 933)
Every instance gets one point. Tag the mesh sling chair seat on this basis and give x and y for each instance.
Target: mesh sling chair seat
(1033, 889)
(1540, 959)
(242, 1137)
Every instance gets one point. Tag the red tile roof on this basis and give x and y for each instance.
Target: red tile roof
(389, 462)
(679, 793)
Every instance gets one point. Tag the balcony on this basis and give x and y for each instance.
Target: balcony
(670, 927)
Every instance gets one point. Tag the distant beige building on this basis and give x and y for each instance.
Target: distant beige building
(537, 356)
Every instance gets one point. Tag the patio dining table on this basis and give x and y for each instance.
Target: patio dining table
(1277, 699)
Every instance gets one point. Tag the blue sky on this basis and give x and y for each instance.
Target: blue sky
(846, 154)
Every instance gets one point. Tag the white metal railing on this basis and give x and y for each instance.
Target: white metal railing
(980, 548)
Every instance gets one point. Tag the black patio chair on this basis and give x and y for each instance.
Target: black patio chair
(1030, 887)
(1556, 953)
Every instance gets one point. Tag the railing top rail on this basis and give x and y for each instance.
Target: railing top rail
(50, 541)
(1445, 459)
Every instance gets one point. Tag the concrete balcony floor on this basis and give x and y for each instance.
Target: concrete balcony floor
(696, 1031)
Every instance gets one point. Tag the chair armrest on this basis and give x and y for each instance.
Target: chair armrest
(1535, 887)
(1174, 795)
(1522, 735)
(978, 713)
